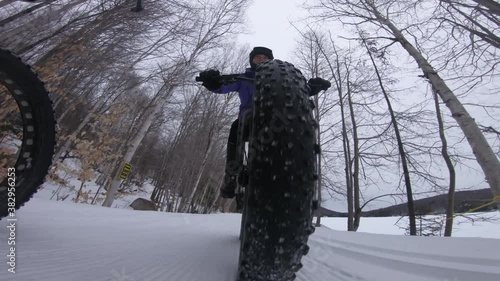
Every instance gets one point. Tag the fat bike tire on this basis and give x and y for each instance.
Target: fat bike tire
(39, 132)
(278, 209)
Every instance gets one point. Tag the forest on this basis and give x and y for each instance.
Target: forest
(413, 110)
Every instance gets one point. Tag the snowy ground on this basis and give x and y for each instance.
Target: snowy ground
(68, 191)
(64, 241)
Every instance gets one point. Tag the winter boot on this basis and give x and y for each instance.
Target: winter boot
(228, 188)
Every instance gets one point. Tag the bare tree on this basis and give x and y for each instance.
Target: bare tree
(369, 12)
(203, 116)
(480, 19)
(32, 34)
(212, 24)
(188, 168)
(25, 12)
(450, 209)
(370, 49)
(355, 160)
(312, 60)
(348, 81)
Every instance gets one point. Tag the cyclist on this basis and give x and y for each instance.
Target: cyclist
(211, 81)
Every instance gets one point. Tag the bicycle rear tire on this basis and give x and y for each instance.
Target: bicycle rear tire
(39, 131)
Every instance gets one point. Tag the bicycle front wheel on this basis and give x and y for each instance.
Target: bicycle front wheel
(278, 215)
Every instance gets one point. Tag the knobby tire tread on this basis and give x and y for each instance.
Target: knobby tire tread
(39, 129)
(278, 209)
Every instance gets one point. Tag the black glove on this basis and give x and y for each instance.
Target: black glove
(318, 84)
(211, 79)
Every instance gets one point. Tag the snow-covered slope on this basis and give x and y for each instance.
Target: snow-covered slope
(63, 241)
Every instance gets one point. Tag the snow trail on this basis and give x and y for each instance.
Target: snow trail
(62, 241)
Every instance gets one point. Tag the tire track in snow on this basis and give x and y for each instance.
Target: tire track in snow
(159, 253)
(48, 254)
(88, 243)
(439, 268)
(321, 270)
(205, 259)
(434, 257)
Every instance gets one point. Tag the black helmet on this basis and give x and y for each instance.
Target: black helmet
(260, 51)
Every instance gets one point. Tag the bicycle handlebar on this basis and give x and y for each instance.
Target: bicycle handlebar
(232, 78)
(229, 78)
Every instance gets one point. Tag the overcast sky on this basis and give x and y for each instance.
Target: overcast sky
(269, 26)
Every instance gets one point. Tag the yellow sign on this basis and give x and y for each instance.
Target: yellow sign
(125, 171)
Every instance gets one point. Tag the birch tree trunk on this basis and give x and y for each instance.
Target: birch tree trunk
(189, 201)
(134, 144)
(202, 200)
(347, 166)
(355, 163)
(318, 161)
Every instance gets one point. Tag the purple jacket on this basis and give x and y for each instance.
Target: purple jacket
(244, 88)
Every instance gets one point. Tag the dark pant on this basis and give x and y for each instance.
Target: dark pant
(231, 163)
